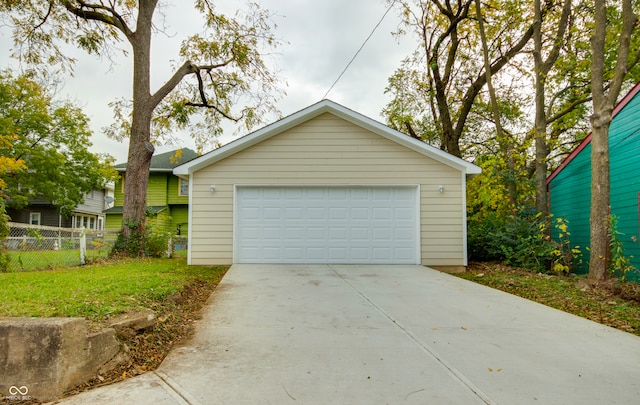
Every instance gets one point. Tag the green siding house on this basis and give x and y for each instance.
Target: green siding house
(570, 184)
(167, 195)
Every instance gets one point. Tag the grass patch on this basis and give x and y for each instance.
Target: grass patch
(610, 303)
(98, 291)
(50, 259)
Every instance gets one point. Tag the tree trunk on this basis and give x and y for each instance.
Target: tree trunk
(599, 195)
(450, 139)
(140, 148)
(542, 205)
(541, 70)
(602, 110)
(504, 142)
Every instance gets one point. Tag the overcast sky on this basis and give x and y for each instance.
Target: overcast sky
(321, 37)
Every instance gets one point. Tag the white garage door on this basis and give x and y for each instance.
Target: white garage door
(296, 224)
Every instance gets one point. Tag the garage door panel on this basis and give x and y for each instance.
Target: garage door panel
(293, 213)
(272, 213)
(337, 234)
(360, 214)
(316, 214)
(382, 234)
(316, 254)
(271, 233)
(295, 224)
(293, 233)
(360, 234)
(338, 213)
(316, 234)
(294, 254)
(382, 214)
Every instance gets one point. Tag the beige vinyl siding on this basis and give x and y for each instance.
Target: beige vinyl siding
(328, 151)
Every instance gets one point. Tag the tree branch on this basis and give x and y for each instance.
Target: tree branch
(568, 109)
(218, 110)
(88, 11)
(481, 80)
(559, 38)
(187, 68)
(629, 20)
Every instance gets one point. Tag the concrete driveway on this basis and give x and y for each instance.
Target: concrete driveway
(356, 334)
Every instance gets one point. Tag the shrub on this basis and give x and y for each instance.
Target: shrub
(619, 264)
(156, 244)
(564, 257)
(514, 240)
(522, 241)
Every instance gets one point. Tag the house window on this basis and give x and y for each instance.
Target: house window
(184, 187)
(34, 218)
(86, 221)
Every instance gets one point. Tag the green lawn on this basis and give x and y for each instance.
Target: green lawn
(99, 290)
(51, 259)
(48, 259)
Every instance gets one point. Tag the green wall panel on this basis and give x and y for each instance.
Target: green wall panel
(570, 190)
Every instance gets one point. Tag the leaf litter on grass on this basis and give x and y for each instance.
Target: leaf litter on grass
(611, 303)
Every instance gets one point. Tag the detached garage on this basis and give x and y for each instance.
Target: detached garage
(327, 185)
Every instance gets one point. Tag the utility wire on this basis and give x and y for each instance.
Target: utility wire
(360, 49)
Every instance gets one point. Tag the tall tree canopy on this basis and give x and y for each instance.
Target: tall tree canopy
(221, 72)
(537, 55)
(435, 89)
(44, 148)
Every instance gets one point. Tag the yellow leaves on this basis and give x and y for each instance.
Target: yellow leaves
(560, 268)
(176, 156)
(9, 165)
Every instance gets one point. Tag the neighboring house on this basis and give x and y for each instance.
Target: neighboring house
(328, 185)
(167, 195)
(570, 184)
(89, 214)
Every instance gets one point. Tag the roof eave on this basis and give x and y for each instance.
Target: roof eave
(326, 106)
(621, 104)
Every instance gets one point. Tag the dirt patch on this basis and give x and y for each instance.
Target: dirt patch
(145, 352)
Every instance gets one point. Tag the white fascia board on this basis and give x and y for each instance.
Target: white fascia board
(325, 106)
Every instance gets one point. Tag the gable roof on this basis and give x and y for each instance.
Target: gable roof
(586, 141)
(165, 162)
(315, 110)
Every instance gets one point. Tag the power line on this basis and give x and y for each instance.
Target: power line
(359, 49)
